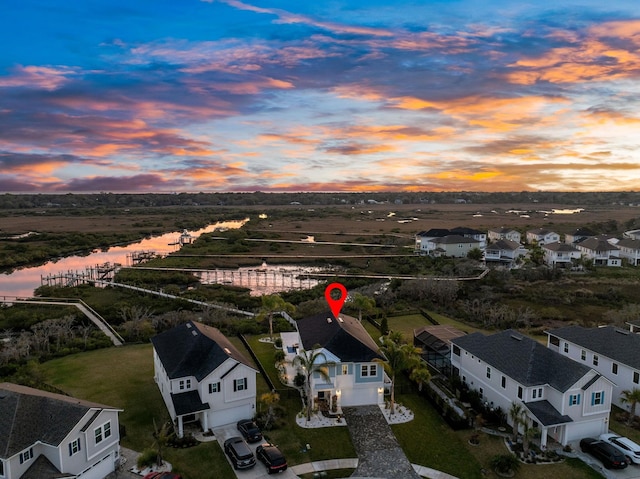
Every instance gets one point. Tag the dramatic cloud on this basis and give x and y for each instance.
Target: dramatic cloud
(242, 95)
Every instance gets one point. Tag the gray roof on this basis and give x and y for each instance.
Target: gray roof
(618, 344)
(567, 248)
(195, 349)
(524, 360)
(454, 239)
(29, 415)
(503, 244)
(346, 338)
(598, 243)
(546, 414)
(629, 243)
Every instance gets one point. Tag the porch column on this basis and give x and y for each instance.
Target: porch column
(543, 438)
(205, 421)
(180, 427)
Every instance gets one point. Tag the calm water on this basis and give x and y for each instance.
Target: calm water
(24, 281)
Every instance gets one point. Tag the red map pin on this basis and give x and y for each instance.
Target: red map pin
(335, 304)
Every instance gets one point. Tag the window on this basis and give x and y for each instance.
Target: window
(456, 350)
(583, 355)
(481, 392)
(185, 384)
(345, 369)
(574, 399)
(554, 340)
(488, 372)
(214, 388)
(636, 377)
(368, 370)
(597, 398)
(519, 392)
(1, 468)
(614, 368)
(26, 455)
(74, 447)
(504, 382)
(595, 360)
(566, 347)
(103, 432)
(240, 384)
(537, 393)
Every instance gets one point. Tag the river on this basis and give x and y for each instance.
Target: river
(23, 282)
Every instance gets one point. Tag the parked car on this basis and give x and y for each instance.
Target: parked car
(626, 446)
(611, 458)
(162, 475)
(249, 430)
(239, 453)
(271, 456)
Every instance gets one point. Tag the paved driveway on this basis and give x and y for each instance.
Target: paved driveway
(629, 472)
(259, 471)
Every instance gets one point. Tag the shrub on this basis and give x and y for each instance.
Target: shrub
(146, 459)
(505, 463)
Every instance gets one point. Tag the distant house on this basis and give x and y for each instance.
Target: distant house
(560, 255)
(578, 235)
(600, 251)
(632, 234)
(423, 244)
(202, 377)
(45, 435)
(630, 250)
(542, 236)
(503, 252)
(479, 236)
(611, 351)
(355, 379)
(505, 234)
(566, 400)
(435, 344)
(453, 246)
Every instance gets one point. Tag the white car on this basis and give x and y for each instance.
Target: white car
(630, 449)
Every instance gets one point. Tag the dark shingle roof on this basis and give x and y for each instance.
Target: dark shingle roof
(618, 344)
(463, 230)
(346, 339)
(503, 244)
(453, 239)
(194, 349)
(434, 233)
(523, 359)
(560, 247)
(598, 243)
(30, 415)
(43, 468)
(546, 413)
(629, 243)
(188, 403)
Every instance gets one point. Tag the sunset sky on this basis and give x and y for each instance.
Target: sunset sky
(291, 95)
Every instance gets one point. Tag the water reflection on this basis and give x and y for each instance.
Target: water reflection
(24, 281)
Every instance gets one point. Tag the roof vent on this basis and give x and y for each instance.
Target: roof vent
(516, 337)
(188, 325)
(328, 320)
(194, 332)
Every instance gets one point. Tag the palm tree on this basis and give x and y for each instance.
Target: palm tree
(528, 432)
(313, 361)
(631, 397)
(272, 304)
(421, 375)
(399, 357)
(269, 399)
(515, 413)
(363, 303)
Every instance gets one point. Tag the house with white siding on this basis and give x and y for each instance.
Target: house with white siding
(563, 398)
(542, 236)
(611, 351)
(46, 435)
(504, 234)
(504, 252)
(202, 377)
(560, 255)
(578, 235)
(630, 250)
(355, 377)
(600, 250)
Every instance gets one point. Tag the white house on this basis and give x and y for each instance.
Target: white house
(505, 234)
(355, 379)
(630, 250)
(203, 377)
(45, 435)
(566, 400)
(600, 250)
(578, 235)
(423, 239)
(453, 246)
(479, 236)
(503, 252)
(560, 255)
(611, 351)
(542, 236)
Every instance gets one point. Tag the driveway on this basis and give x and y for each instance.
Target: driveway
(259, 471)
(629, 472)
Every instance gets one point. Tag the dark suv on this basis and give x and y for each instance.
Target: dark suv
(250, 431)
(239, 453)
(271, 456)
(611, 458)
